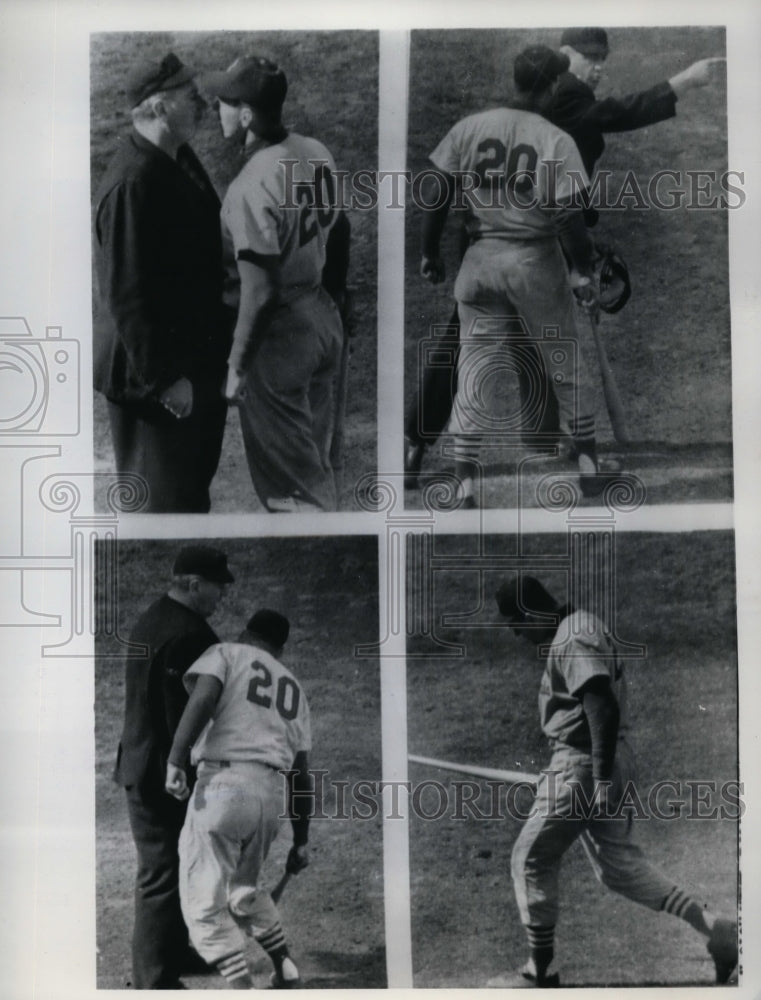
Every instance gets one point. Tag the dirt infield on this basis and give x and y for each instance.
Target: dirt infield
(333, 911)
(675, 595)
(333, 96)
(670, 346)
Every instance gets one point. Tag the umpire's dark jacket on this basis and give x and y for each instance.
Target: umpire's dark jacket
(154, 694)
(160, 275)
(575, 109)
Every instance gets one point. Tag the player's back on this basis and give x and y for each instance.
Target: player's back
(262, 712)
(284, 203)
(515, 170)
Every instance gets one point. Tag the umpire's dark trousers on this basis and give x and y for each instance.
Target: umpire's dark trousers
(160, 939)
(176, 458)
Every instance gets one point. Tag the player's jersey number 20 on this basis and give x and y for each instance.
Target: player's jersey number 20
(316, 203)
(285, 694)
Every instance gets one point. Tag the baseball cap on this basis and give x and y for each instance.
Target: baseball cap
(149, 77)
(537, 67)
(205, 561)
(590, 42)
(269, 625)
(521, 594)
(252, 79)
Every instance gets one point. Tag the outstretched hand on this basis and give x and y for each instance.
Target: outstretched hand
(699, 74)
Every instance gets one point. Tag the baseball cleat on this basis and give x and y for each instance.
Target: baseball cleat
(278, 983)
(413, 462)
(592, 484)
(722, 947)
(522, 979)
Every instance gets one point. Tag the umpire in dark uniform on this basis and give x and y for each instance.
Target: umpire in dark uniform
(175, 631)
(163, 336)
(575, 109)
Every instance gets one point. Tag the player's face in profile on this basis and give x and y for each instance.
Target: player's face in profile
(536, 634)
(229, 118)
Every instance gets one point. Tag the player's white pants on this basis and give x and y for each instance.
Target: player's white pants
(555, 824)
(505, 290)
(231, 822)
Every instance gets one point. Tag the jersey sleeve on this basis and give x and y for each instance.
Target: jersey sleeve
(212, 663)
(567, 177)
(251, 215)
(446, 156)
(305, 735)
(580, 660)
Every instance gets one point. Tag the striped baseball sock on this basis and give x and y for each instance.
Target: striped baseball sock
(235, 971)
(541, 943)
(680, 904)
(274, 943)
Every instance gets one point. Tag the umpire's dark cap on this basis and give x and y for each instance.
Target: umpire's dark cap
(590, 42)
(269, 625)
(537, 67)
(251, 80)
(149, 77)
(521, 594)
(205, 561)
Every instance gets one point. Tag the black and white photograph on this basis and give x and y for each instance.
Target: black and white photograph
(233, 296)
(567, 286)
(247, 651)
(574, 753)
(379, 562)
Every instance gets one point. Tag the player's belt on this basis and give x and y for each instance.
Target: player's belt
(230, 763)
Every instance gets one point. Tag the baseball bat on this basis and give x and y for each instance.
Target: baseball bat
(341, 391)
(277, 892)
(513, 777)
(610, 388)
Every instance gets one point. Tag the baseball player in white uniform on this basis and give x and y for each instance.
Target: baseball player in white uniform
(509, 169)
(246, 720)
(582, 709)
(288, 238)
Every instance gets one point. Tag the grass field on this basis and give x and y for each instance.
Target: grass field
(670, 346)
(675, 595)
(333, 911)
(333, 96)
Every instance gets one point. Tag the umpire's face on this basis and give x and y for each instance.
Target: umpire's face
(206, 595)
(183, 109)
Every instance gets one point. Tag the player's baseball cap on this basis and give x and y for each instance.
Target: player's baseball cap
(269, 625)
(205, 561)
(149, 77)
(253, 80)
(590, 42)
(537, 67)
(521, 594)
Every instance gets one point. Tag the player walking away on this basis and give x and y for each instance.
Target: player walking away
(574, 109)
(513, 278)
(162, 338)
(291, 247)
(582, 708)
(247, 720)
(175, 631)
